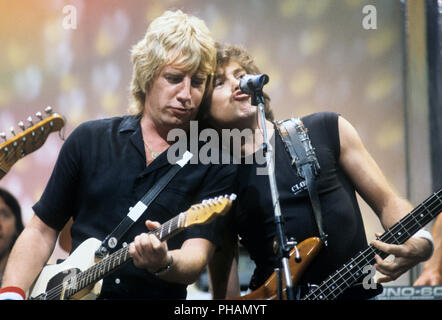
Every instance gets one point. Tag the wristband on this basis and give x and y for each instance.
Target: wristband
(426, 235)
(12, 293)
(166, 268)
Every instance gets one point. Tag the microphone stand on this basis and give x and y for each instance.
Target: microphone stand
(284, 245)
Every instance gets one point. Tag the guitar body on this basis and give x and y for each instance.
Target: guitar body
(308, 250)
(55, 275)
(342, 279)
(81, 275)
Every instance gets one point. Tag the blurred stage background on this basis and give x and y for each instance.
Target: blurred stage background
(317, 53)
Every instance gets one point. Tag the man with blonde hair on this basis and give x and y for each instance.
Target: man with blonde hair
(106, 166)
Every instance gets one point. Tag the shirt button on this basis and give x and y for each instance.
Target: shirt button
(117, 281)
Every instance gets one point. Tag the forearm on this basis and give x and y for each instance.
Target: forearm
(435, 262)
(184, 270)
(393, 210)
(224, 281)
(29, 254)
(223, 270)
(188, 262)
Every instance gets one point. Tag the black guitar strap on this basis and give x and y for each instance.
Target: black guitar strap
(135, 212)
(298, 144)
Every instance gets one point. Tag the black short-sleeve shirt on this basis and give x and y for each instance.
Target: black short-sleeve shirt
(254, 217)
(101, 172)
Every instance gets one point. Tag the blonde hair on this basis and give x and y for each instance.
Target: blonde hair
(174, 38)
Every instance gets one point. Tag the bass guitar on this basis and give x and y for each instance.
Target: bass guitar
(80, 275)
(29, 140)
(346, 276)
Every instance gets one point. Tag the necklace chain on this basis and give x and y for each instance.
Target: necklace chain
(152, 153)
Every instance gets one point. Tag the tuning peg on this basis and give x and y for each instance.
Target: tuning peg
(3, 135)
(12, 131)
(48, 110)
(22, 125)
(30, 121)
(39, 115)
(232, 197)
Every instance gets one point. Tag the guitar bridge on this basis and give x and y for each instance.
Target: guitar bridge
(42, 296)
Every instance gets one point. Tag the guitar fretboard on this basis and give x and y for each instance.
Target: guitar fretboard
(352, 271)
(111, 263)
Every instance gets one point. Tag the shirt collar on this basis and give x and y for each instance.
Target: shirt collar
(129, 123)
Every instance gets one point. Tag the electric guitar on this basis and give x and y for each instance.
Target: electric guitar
(350, 272)
(29, 140)
(80, 275)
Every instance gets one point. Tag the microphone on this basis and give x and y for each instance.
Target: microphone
(251, 83)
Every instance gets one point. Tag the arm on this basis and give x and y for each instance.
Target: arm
(223, 270)
(188, 262)
(368, 179)
(432, 270)
(29, 254)
(374, 188)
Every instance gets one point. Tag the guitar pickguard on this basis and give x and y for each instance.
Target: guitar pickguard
(61, 277)
(52, 275)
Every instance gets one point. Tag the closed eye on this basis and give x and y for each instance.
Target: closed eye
(173, 78)
(197, 81)
(240, 75)
(218, 81)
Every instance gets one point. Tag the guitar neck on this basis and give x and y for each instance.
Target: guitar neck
(117, 259)
(352, 271)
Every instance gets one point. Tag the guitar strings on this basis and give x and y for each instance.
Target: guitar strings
(332, 287)
(11, 154)
(388, 237)
(55, 292)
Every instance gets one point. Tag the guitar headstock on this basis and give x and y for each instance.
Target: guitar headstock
(30, 139)
(208, 210)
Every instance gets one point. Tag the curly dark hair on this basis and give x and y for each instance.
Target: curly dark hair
(13, 204)
(225, 53)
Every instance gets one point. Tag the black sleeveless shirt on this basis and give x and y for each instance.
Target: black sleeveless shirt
(254, 215)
